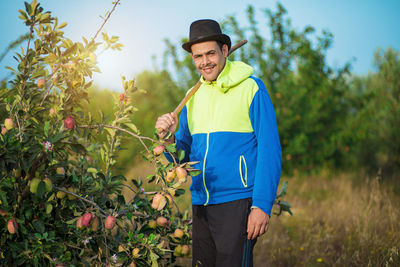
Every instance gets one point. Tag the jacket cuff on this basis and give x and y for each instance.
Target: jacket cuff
(263, 205)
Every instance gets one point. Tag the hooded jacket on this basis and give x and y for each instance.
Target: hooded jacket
(229, 126)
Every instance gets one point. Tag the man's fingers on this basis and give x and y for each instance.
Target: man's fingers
(256, 232)
(169, 119)
(165, 122)
(266, 228)
(250, 229)
(262, 230)
(250, 232)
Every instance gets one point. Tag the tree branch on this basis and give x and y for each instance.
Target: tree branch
(120, 129)
(102, 25)
(81, 198)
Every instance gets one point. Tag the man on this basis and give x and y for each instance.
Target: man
(229, 126)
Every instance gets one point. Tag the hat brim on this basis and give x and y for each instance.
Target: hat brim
(223, 38)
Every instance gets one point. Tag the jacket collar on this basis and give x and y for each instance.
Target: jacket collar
(233, 73)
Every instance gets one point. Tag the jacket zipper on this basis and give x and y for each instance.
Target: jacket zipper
(244, 179)
(204, 170)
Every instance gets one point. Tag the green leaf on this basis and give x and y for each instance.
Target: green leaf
(152, 178)
(46, 128)
(92, 170)
(110, 131)
(171, 148)
(194, 173)
(153, 258)
(28, 8)
(62, 25)
(49, 208)
(23, 15)
(284, 204)
(135, 183)
(8, 67)
(41, 189)
(181, 154)
(179, 192)
(284, 188)
(124, 119)
(54, 139)
(132, 127)
(39, 226)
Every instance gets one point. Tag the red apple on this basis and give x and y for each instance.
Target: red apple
(152, 224)
(171, 174)
(86, 218)
(89, 159)
(162, 221)
(40, 83)
(159, 202)
(178, 251)
(3, 130)
(72, 190)
(8, 123)
(185, 250)
(179, 233)
(79, 223)
(135, 253)
(60, 170)
(48, 184)
(69, 123)
(158, 150)
(110, 222)
(121, 97)
(12, 226)
(182, 174)
(3, 212)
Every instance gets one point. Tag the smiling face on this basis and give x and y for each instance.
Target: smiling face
(209, 59)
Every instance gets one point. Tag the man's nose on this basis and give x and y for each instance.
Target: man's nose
(206, 60)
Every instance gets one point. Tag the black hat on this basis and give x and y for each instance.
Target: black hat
(205, 30)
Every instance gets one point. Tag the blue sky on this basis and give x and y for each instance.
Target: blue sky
(359, 27)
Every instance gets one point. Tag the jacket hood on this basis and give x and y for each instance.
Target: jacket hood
(233, 73)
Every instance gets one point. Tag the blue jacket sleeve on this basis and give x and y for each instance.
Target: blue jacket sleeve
(269, 153)
(182, 136)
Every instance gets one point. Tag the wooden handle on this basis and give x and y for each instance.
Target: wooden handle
(198, 84)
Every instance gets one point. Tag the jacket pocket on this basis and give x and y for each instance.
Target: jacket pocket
(243, 170)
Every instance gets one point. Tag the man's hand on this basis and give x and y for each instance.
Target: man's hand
(257, 224)
(166, 123)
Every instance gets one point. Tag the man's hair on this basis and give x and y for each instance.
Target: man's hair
(220, 44)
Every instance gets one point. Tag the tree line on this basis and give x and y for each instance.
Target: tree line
(327, 117)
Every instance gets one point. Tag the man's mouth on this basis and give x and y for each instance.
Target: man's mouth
(208, 67)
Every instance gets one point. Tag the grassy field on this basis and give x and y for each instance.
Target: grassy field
(338, 220)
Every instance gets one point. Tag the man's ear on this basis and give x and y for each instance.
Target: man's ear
(225, 50)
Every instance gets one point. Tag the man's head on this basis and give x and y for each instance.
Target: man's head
(209, 47)
(209, 58)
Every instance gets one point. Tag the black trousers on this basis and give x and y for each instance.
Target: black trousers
(220, 235)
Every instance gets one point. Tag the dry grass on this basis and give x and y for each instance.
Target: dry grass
(334, 224)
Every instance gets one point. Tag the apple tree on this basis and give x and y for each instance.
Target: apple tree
(60, 198)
